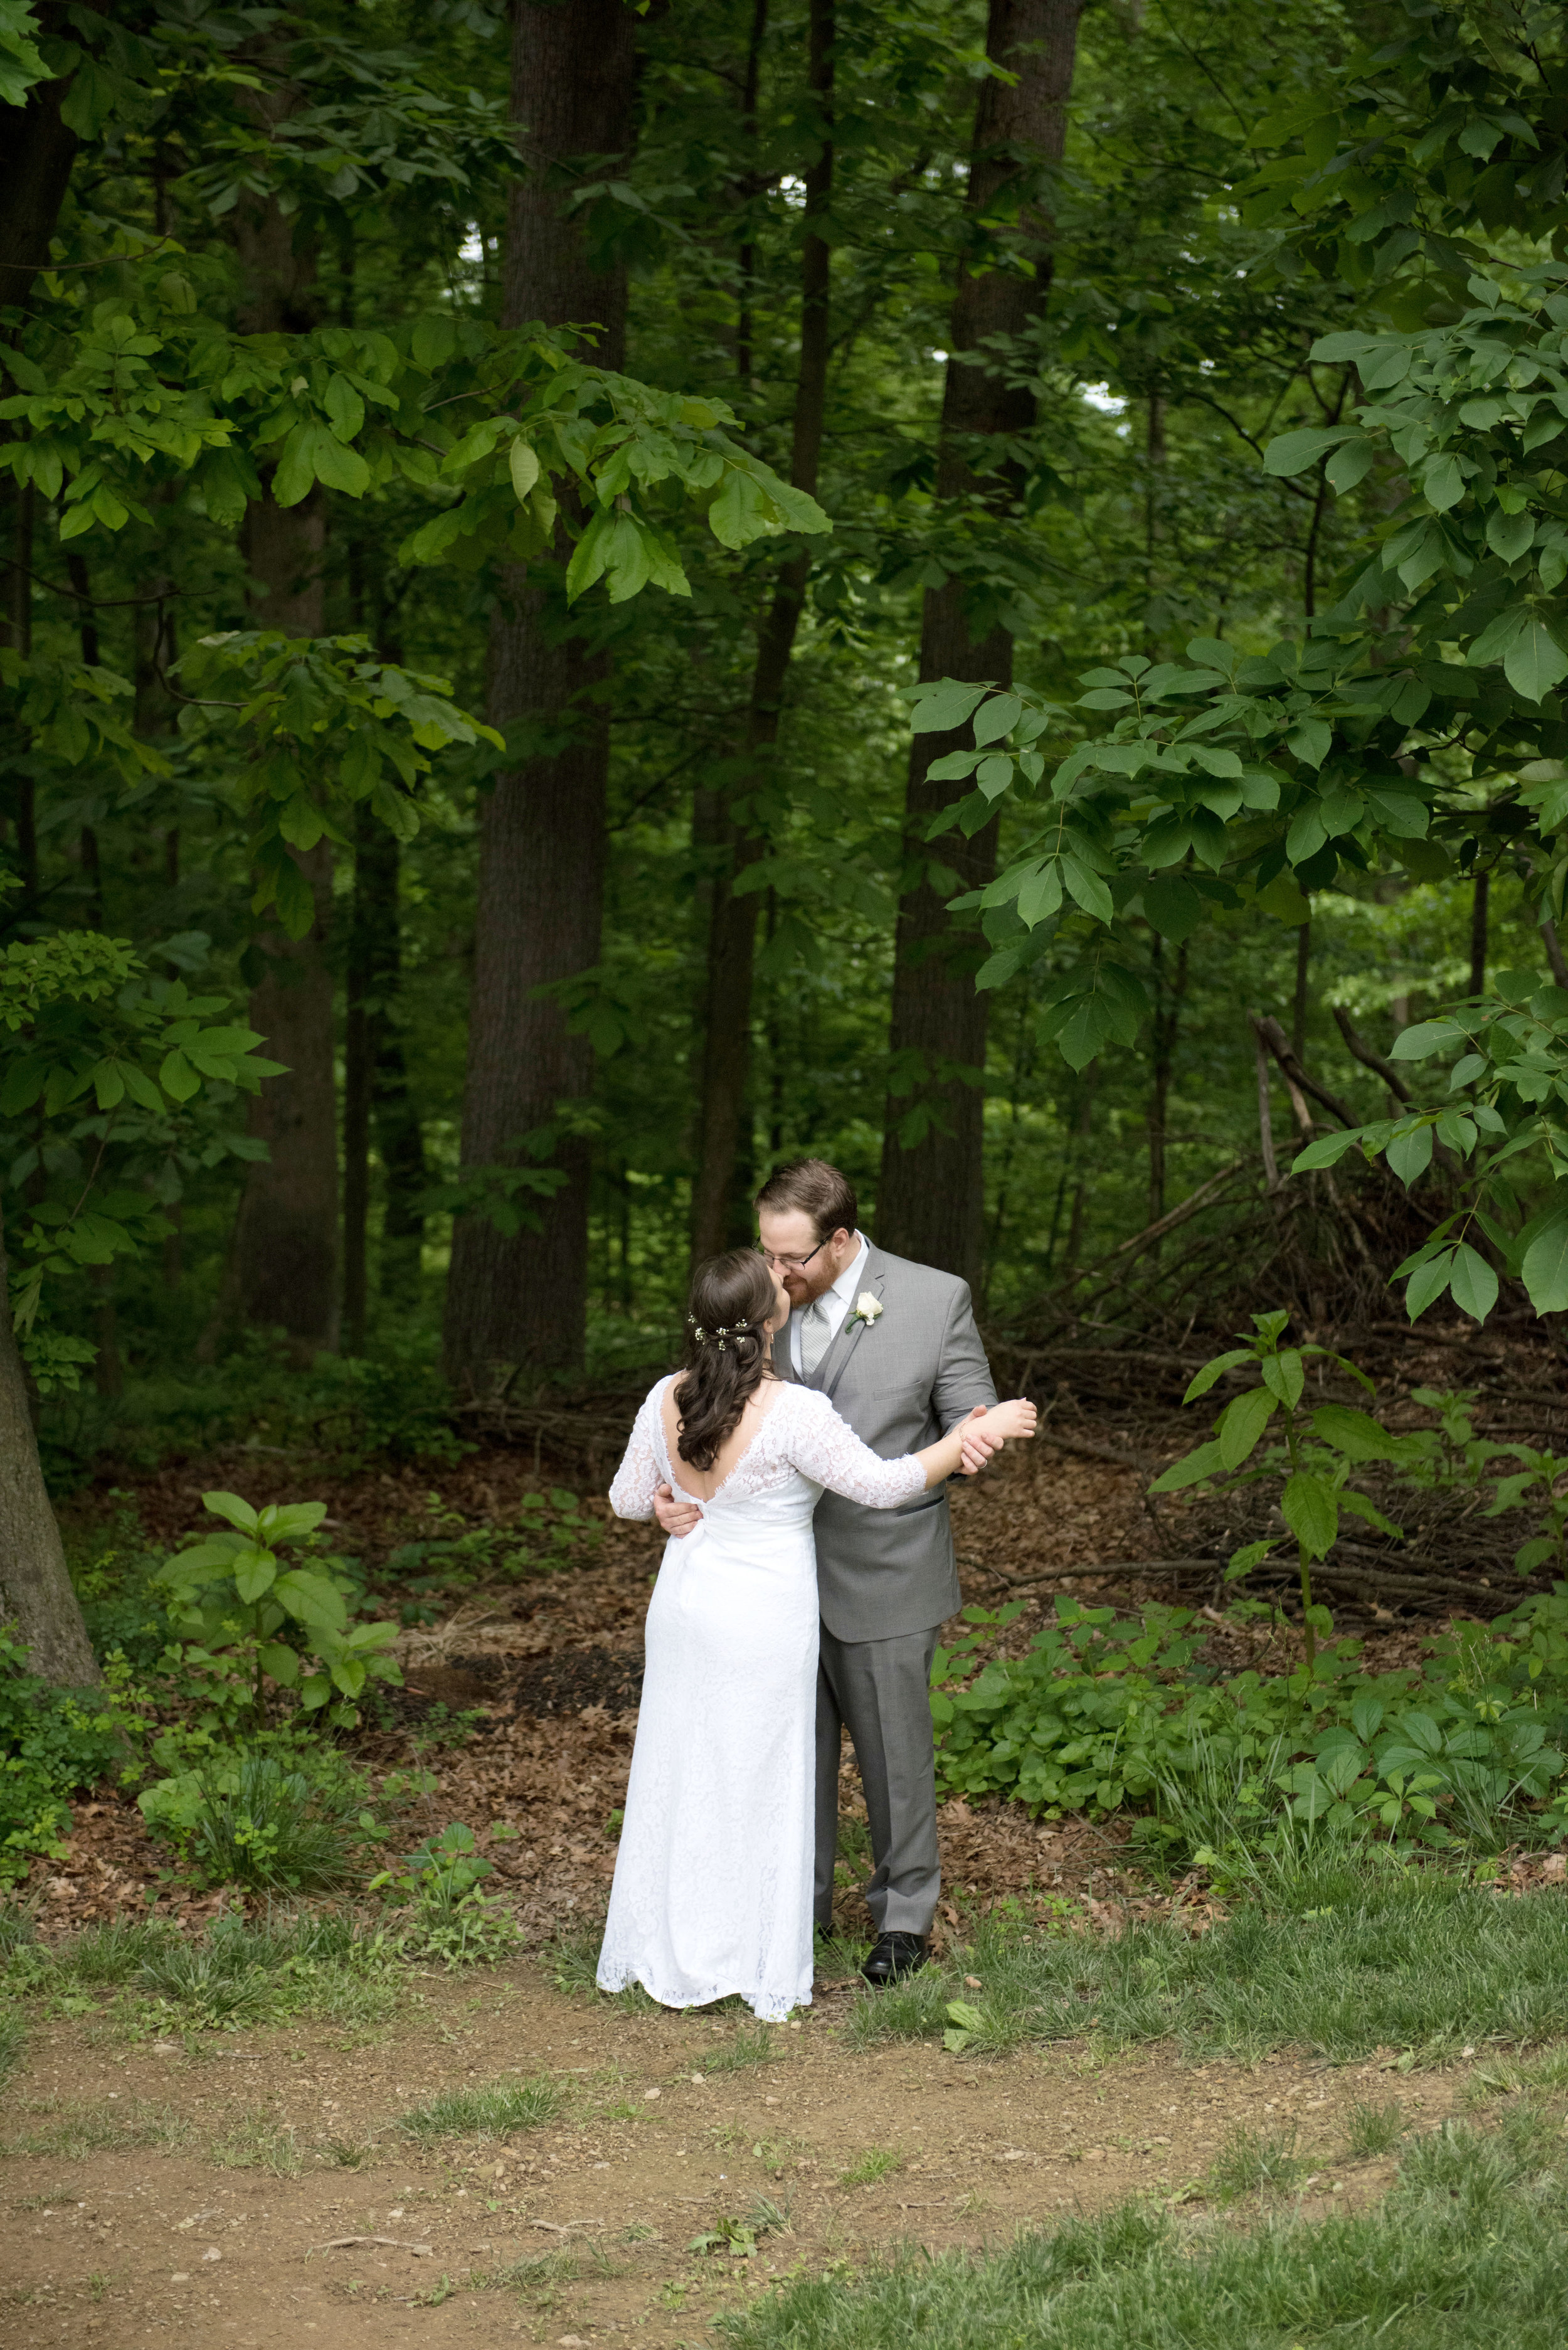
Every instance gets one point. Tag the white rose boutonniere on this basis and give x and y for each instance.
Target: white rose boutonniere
(868, 1309)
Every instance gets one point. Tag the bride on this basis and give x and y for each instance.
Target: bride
(713, 1892)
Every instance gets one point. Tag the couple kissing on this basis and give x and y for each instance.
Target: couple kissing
(798, 1463)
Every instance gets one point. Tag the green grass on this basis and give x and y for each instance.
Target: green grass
(12, 2039)
(1255, 2162)
(292, 1963)
(1466, 2251)
(881, 2162)
(1343, 1958)
(257, 2141)
(752, 2045)
(492, 2112)
(114, 2127)
(1374, 2129)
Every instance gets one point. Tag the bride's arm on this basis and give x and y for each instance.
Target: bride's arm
(636, 1479)
(825, 1449)
(1013, 1418)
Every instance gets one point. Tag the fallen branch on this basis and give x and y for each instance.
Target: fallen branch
(1093, 1451)
(392, 2243)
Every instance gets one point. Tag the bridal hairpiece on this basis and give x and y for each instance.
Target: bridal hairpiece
(702, 1336)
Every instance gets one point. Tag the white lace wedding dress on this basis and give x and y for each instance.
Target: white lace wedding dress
(712, 1890)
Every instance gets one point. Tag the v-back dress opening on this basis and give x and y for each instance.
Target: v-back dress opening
(713, 1892)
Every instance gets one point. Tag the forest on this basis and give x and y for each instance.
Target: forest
(603, 595)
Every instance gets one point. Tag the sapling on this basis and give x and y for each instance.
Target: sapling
(1323, 1445)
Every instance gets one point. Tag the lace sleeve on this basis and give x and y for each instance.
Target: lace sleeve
(827, 1449)
(631, 1493)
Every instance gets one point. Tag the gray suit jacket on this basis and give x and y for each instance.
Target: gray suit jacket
(901, 1382)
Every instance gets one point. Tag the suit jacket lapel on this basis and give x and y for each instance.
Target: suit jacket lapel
(834, 1364)
(783, 1363)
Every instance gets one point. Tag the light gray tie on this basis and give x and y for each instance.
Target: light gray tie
(815, 1331)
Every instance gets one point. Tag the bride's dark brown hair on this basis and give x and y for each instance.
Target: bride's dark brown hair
(729, 1351)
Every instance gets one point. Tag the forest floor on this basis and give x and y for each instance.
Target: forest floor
(250, 2185)
(199, 2194)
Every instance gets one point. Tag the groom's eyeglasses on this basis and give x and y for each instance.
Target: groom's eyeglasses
(789, 1264)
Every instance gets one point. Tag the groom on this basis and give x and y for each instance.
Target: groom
(895, 1347)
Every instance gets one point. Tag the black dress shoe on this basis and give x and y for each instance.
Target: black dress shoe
(895, 1956)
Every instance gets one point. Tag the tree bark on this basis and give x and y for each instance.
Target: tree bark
(1479, 909)
(36, 159)
(36, 1592)
(720, 1210)
(1168, 1001)
(539, 907)
(931, 1200)
(376, 1090)
(285, 1242)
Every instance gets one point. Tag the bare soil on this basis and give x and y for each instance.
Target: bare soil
(216, 2236)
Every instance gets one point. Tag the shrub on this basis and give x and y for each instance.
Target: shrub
(53, 1744)
(1106, 1712)
(235, 1592)
(450, 1918)
(277, 1821)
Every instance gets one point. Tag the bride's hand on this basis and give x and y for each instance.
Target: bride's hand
(1014, 1418)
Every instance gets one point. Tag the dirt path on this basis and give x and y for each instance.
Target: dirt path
(201, 2194)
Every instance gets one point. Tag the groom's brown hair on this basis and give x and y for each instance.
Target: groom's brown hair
(816, 1190)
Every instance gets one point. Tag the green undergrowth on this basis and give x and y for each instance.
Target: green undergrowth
(1108, 1714)
(154, 1980)
(1346, 1955)
(1466, 2249)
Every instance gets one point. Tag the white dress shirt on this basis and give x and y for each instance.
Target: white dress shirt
(834, 1303)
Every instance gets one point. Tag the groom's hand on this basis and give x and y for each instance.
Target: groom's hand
(976, 1448)
(676, 1517)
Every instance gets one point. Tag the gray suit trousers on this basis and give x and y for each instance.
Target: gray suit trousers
(879, 1689)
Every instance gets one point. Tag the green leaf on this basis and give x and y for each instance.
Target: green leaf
(523, 463)
(1353, 1433)
(1216, 1369)
(230, 1506)
(939, 709)
(1241, 1424)
(1328, 1152)
(1310, 739)
(1544, 1271)
(1472, 1282)
(178, 1078)
(1410, 1155)
(1284, 1377)
(1311, 1509)
(254, 1573)
(312, 1598)
(1192, 1469)
(1427, 1282)
(1172, 906)
(1535, 663)
(1426, 1038)
(1293, 453)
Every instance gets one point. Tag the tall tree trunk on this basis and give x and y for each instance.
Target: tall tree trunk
(1303, 993)
(719, 1216)
(1479, 910)
(36, 1592)
(36, 159)
(931, 1201)
(1168, 999)
(375, 1090)
(542, 832)
(286, 1261)
(19, 635)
